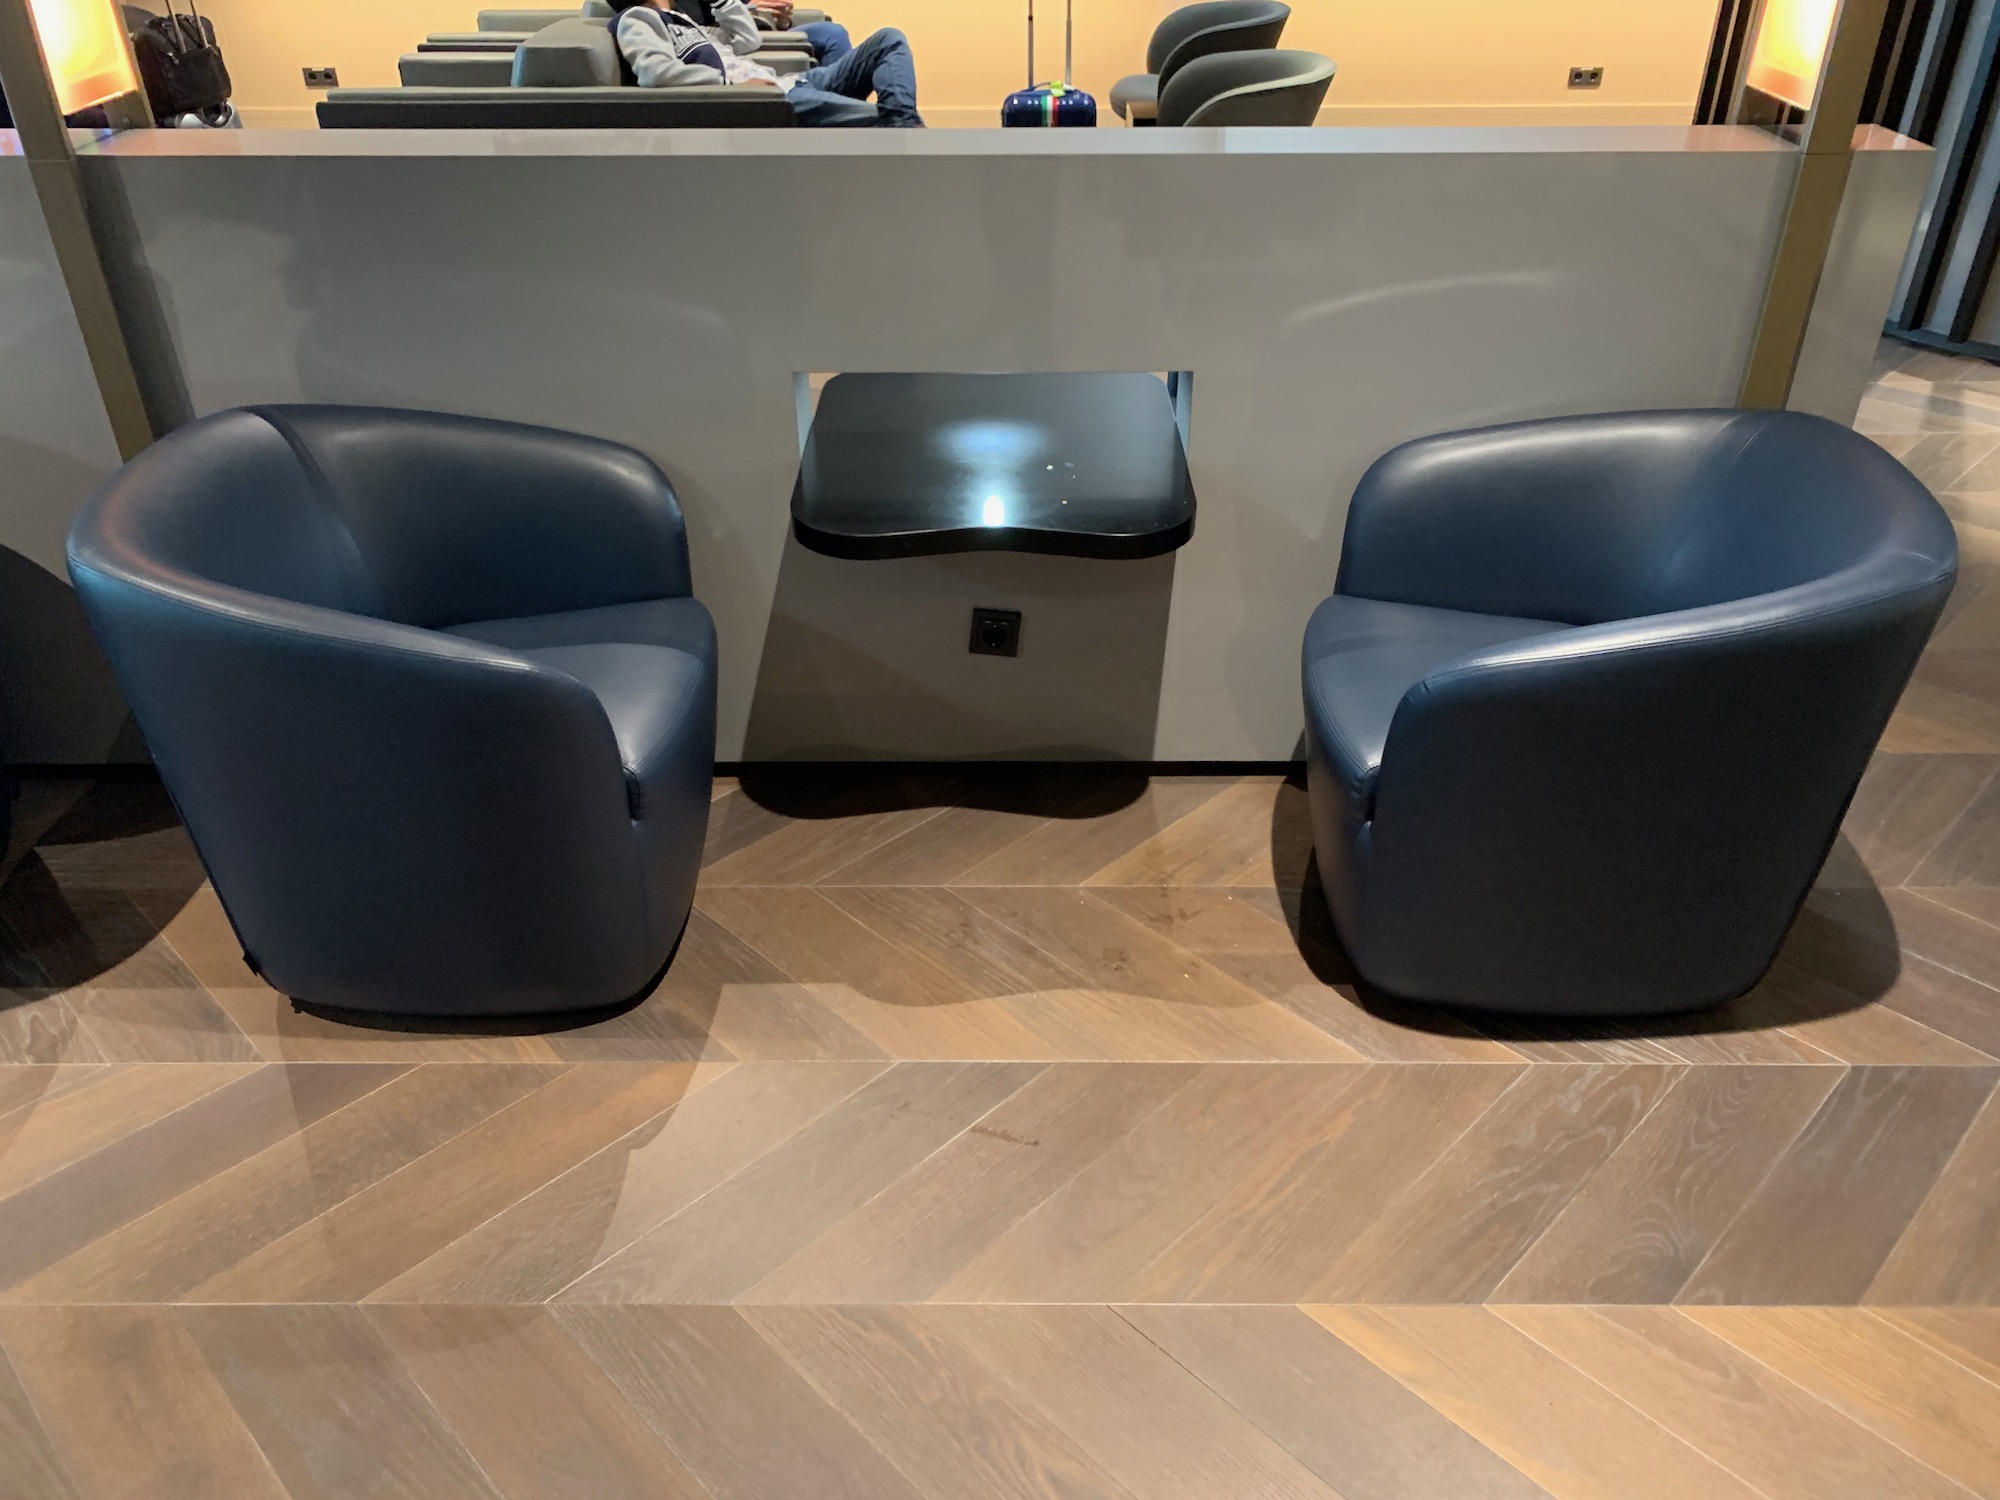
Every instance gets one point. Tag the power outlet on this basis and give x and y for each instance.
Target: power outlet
(996, 632)
(1586, 78)
(322, 78)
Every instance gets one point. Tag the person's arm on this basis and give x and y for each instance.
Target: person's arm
(654, 62)
(733, 20)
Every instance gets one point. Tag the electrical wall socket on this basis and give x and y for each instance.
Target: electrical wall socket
(322, 78)
(995, 632)
(1586, 78)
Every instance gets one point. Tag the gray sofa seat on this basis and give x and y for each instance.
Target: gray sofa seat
(473, 41)
(455, 70)
(708, 108)
(1141, 89)
(523, 20)
(1592, 694)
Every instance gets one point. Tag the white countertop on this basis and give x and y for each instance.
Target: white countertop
(1066, 144)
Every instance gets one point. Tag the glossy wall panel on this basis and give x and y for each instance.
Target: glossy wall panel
(1334, 292)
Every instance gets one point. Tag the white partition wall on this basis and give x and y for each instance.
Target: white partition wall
(1333, 293)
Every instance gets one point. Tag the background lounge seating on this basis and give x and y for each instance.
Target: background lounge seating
(1196, 31)
(431, 694)
(473, 41)
(1248, 88)
(456, 70)
(564, 77)
(1592, 694)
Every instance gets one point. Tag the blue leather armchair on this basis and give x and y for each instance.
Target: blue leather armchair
(430, 692)
(1591, 696)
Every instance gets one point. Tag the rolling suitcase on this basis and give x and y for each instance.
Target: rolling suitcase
(1046, 104)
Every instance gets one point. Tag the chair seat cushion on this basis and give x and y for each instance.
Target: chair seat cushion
(1363, 655)
(1140, 88)
(651, 664)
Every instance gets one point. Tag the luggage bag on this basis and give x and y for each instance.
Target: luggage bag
(1050, 104)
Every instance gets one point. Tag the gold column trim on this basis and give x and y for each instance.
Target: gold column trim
(58, 179)
(1825, 155)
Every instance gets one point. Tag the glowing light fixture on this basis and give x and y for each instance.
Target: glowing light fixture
(1791, 49)
(994, 512)
(84, 44)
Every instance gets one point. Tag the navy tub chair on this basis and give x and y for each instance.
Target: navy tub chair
(431, 693)
(1591, 696)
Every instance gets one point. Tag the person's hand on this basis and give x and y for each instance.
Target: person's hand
(758, 83)
(778, 12)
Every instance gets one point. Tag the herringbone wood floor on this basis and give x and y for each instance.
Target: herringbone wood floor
(1009, 1134)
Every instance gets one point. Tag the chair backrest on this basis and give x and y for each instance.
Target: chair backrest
(419, 518)
(1213, 26)
(1617, 516)
(229, 501)
(1247, 88)
(1790, 500)
(572, 54)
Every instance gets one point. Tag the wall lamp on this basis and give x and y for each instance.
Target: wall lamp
(1790, 51)
(84, 46)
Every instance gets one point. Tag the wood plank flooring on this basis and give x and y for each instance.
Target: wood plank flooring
(1024, 1134)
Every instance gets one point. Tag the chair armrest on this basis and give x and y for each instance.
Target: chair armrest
(1554, 520)
(462, 519)
(357, 744)
(1693, 766)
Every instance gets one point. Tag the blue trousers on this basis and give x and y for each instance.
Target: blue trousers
(835, 94)
(828, 39)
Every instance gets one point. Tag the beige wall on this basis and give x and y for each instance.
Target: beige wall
(1418, 61)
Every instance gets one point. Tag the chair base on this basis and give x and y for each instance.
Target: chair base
(1418, 959)
(462, 1023)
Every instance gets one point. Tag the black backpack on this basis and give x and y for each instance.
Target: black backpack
(179, 63)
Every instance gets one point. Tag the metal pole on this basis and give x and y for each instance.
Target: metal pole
(58, 179)
(1825, 156)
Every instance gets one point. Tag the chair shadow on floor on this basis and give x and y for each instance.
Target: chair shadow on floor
(81, 848)
(1841, 954)
(812, 791)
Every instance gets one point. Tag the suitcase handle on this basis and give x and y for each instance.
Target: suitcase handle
(1069, 43)
(181, 47)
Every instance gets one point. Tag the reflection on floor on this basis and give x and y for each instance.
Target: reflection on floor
(1025, 1136)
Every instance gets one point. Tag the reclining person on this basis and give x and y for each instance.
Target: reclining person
(666, 48)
